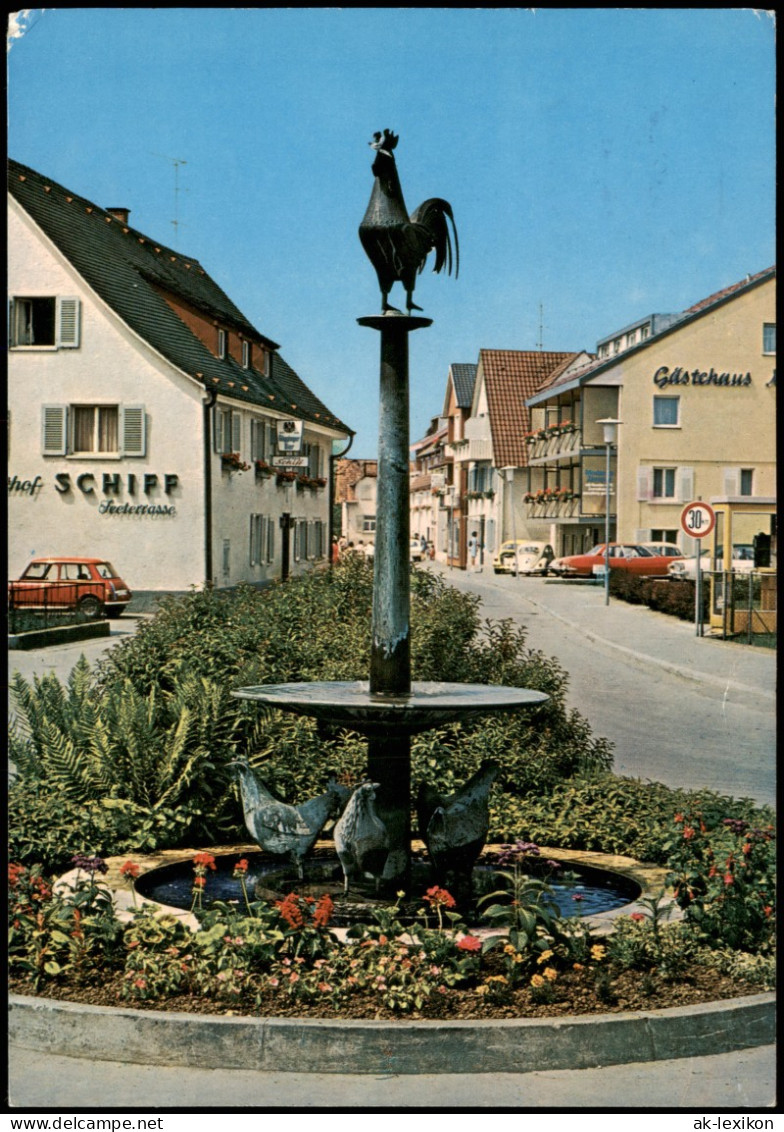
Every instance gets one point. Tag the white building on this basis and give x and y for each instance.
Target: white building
(144, 409)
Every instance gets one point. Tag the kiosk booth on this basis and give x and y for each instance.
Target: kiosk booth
(743, 570)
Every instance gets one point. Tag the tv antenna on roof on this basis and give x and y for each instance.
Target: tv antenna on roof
(540, 343)
(176, 162)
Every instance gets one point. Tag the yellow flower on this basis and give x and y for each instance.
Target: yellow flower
(578, 967)
(544, 957)
(495, 979)
(598, 951)
(509, 949)
(550, 973)
(537, 981)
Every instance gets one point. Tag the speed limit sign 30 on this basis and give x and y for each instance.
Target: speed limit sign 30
(698, 519)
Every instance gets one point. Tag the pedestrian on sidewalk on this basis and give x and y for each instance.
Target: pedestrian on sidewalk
(473, 549)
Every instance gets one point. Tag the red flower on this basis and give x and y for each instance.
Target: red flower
(291, 911)
(638, 917)
(204, 860)
(129, 869)
(240, 869)
(688, 833)
(199, 882)
(323, 912)
(14, 873)
(729, 879)
(469, 943)
(439, 898)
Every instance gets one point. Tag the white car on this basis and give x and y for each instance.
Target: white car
(666, 549)
(415, 551)
(686, 568)
(532, 558)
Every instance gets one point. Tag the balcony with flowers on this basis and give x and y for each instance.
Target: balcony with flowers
(552, 503)
(559, 441)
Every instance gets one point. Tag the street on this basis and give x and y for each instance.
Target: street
(686, 711)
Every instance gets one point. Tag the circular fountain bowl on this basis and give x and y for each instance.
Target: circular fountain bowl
(429, 704)
(576, 889)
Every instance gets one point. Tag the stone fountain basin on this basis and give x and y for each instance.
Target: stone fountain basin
(429, 704)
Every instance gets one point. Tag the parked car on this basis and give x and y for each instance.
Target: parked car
(415, 551)
(532, 557)
(633, 557)
(667, 549)
(686, 568)
(89, 585)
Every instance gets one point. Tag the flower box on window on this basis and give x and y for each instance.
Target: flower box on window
(233, 462)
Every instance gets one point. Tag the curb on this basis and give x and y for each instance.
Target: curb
(644, 658)
(286, 1045)
(60, 635)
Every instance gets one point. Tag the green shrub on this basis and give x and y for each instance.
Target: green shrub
(676, 598)
(607, 813)
(145, 739)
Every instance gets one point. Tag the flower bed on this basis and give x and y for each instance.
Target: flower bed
(280, 958)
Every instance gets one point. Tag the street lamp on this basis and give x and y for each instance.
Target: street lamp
(509, 480)
(610, 427)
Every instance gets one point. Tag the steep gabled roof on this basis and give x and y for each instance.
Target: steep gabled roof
(133, 273)
(510, 377)
(463, 378)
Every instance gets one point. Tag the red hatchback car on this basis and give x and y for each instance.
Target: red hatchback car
(89, 585)
(632, 557)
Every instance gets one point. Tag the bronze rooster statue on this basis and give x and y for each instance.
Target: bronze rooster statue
(361, 838)
(396, 244)
(455, 828)
(281, 829)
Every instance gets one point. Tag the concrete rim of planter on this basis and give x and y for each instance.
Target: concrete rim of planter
(313, 1045)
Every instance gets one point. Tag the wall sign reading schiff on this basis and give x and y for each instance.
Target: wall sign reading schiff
(680, 376)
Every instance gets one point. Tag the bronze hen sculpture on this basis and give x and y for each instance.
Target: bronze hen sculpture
(398, 244)
(281, 829)
(361, 838)
(455, 828)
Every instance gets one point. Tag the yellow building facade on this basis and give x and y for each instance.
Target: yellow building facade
(697, 406)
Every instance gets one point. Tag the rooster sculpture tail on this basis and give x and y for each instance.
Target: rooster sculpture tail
(432, 214)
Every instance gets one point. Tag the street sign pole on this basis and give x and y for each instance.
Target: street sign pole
(698, 594)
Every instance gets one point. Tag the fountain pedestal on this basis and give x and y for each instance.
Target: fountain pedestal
(389, 709)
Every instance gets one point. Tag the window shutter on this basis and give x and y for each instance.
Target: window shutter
(68, 323)
(685, 484)
(642, 535)
(643, 484)
(236, 432)
(133, 430)
(54, 430)
(731, 479)
(270, 540)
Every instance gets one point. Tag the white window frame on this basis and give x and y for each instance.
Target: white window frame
(227, 430)
(657, 400)
(262, 540)
(247, 353)
(768, 332)
(66, 317)
(57, 431)
(746, 474)
(222, 348)
(666, 477)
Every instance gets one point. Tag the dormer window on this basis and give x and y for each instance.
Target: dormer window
(223, 342)
(247, 353)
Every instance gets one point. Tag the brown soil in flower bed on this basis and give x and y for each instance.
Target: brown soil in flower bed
(573, 994)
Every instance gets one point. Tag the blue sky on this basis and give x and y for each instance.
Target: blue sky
(602, 163)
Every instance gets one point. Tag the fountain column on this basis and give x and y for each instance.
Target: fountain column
(389, 756)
